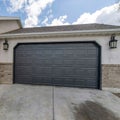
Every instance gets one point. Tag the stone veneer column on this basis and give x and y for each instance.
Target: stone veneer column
(111, 75)
(6, 73)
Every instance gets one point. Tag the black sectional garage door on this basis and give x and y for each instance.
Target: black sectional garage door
(75, 64)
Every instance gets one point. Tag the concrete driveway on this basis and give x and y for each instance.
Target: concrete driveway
(27, 102)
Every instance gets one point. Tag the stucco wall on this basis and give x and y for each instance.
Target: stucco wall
(8, 25)
(109, 56)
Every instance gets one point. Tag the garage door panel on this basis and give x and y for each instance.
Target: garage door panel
(87, 66)
(63, 64)
(87, 62)
(84, 84)
(23, 70)
(63, 71)
(23, 64)
(24, 61)
(42, 72)
(87, 71)
(23, 54)
(74, 61)
(43, 80)
(63, 81)
(25, 79)
(41, 57)
(42, 63)
(58, 81)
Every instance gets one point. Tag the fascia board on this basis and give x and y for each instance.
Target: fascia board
(67, 33)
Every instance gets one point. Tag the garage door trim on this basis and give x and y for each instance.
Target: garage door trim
(94, 42)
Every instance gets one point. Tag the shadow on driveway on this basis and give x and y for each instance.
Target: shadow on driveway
(93, 111)
(117, 94)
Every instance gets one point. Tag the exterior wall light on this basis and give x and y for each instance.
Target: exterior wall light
(113, 42)
(5, 45)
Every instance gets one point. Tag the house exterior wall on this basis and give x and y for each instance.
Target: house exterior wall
(110, 58)
(8, 25)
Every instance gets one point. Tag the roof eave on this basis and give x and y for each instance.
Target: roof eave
(9, 18)
(19, 23)
(62, 33)
(13, 18)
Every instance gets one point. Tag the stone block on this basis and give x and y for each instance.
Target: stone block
(6, 73)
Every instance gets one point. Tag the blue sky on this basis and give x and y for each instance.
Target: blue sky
(61, 12)
(74, 8)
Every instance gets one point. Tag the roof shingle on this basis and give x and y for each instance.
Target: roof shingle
(79, 27)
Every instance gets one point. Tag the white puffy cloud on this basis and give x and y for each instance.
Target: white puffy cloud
(59, 21)
(47, 18)
(107, 15)
(50, 14)
(45, 21)
(16, 5)
(33, 9)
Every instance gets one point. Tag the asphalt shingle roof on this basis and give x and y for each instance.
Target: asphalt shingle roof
(79, 27)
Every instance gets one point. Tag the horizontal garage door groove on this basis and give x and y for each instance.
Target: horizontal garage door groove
(69, 64)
